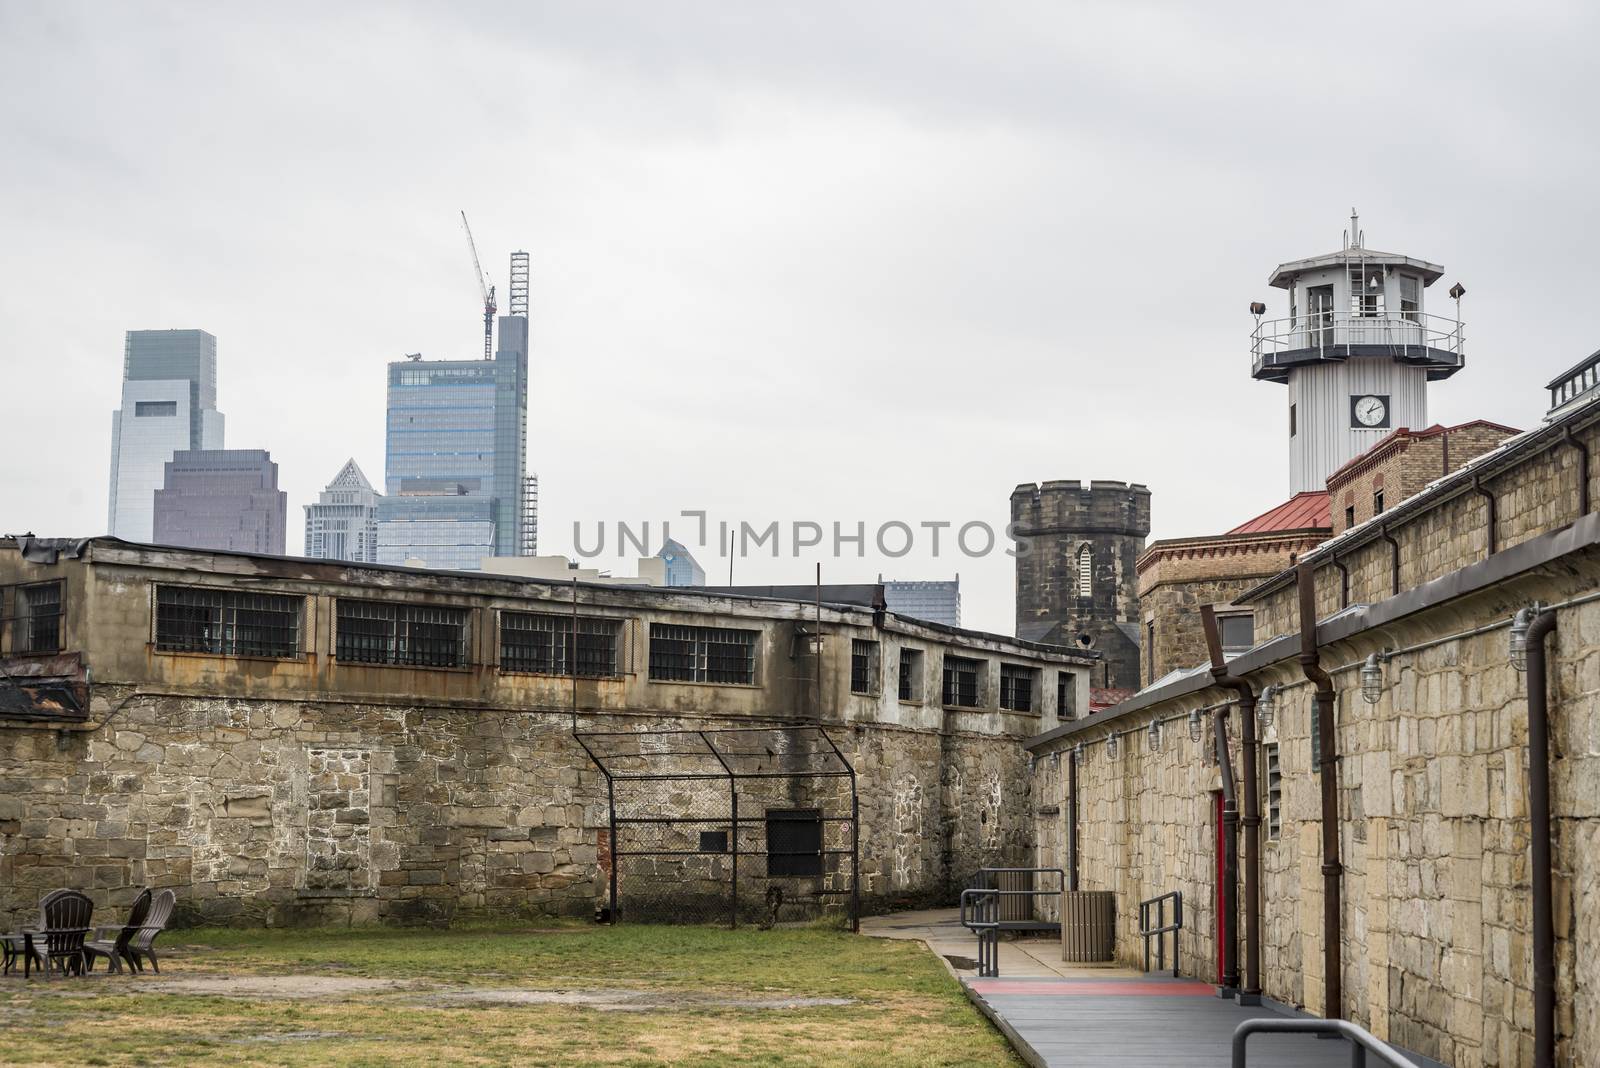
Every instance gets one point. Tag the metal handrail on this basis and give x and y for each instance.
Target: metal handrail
(985, 923)
(1160, 928)
(1329, 331)
(1361, 1040)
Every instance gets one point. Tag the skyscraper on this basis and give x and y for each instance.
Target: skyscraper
(343, 523)
(682, 568)
(456, 456)
(221, 499)
(169, 403)
(933, 600)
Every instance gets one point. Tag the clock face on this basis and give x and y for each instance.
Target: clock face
(1369, 411)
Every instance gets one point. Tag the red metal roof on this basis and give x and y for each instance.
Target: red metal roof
(1300, 512)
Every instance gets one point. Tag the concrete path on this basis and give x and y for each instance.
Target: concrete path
(1061, 1015)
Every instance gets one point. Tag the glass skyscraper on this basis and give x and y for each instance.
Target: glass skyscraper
(169, 403)
(682, 568)
(456, 447)
(343, 523)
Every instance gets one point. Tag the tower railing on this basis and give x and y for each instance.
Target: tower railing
(1334, 334)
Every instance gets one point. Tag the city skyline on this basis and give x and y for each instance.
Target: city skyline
(721, 247)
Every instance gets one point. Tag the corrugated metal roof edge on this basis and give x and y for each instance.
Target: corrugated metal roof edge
(1581, 534)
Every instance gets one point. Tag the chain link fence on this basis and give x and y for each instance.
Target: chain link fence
(753, 825)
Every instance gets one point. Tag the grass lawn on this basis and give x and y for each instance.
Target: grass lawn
(563, 994)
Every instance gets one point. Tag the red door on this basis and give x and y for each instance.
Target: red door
(1219, 836)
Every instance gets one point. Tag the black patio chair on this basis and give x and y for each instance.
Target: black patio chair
(14, 945)
(115, 950)
(143, 942)
(66, 925)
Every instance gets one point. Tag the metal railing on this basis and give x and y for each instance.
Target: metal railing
(982, 912)
(1331, 332)
(1022, 883)
(1361, 1040)
(1156, 909)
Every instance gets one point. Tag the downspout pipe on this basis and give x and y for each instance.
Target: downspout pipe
(1394, 560)
(1072, 819)
(1250, 993)
(1228, 951)
(1544, 936)
(1492, 516)
(1332, 869)
(1344, 582)
(1570, 440)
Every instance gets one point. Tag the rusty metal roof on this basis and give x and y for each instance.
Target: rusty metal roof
(1304, 511)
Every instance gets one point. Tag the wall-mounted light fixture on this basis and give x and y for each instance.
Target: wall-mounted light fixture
(1111, 747)
(1519, 635)
(1077, 753)
(1372, 679)
(1155, 736)
(1264, 705)
(1196, 725)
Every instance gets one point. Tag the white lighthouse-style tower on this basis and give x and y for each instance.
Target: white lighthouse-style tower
(1357, 352)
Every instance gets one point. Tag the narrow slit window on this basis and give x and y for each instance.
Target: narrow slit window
(1085, 572)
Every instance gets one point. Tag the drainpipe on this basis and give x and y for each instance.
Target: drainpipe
(1544, 937)
(1072, 819)
(1344, 582)
(1250, 994)
(1571, 441)
(1488, 496)
(1311, 666)
(1394, 561)
(1228, 951)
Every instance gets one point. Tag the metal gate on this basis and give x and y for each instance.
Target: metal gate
(743, 825)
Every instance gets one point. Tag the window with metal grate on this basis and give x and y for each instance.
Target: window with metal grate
(36, 619)
(380, 632)
(194, 619)
(681, 653)
(962, 681)
(863, 666)
(1016, 687)
(541, 644)
(910, 674)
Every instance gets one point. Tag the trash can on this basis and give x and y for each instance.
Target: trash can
(1087, 925)
(1015, 908)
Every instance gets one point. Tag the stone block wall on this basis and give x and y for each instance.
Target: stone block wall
(1436, 887)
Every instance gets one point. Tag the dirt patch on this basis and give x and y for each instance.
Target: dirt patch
(274, 986)
(289, 1036)
(623, 1000)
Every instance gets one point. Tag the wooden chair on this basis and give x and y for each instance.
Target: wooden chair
(15, 944)
(142, 942)
(115, 950)
(66, 925)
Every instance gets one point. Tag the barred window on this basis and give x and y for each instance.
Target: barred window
(863, 666)
(910, 674)
(36, 618)
(961, 677)
(702, 654)
(1016, 687)
(1066, 695)
(191, 619)
(541, 644)
(378, 632)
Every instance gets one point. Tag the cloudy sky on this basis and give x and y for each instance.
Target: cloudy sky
(831, 262)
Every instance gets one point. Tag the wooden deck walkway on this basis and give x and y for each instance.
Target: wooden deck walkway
(1140, 1022)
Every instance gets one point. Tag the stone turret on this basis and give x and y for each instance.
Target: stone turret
(1076, 582)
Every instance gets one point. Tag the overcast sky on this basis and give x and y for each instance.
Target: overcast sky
(833, 262)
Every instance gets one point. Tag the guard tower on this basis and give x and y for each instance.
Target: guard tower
(1357, 351)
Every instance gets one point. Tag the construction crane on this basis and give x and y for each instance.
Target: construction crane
(486, 289)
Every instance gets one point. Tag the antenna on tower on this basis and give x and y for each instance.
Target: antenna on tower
(519, 284)
(1354, 232)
